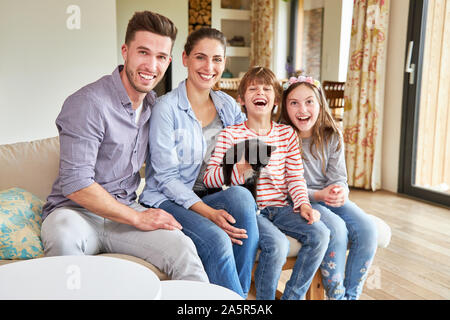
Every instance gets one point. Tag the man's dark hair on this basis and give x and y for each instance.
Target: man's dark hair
(150, 21)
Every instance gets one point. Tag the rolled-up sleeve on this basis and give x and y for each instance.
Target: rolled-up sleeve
(80, 132)
(164, 159)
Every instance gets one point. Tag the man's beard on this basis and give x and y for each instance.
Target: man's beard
(141, 89)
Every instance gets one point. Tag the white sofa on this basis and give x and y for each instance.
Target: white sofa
(33, 166)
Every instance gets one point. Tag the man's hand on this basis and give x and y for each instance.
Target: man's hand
(99, 201)
(153, 219)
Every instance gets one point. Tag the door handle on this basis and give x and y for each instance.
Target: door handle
(410, 67)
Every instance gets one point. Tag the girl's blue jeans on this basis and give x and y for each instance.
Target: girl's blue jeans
(273, 224)
(226, 264)
(351, 228)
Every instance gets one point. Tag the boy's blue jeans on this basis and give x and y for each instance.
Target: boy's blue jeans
(351, 228)
(226, 264)
(274, 248)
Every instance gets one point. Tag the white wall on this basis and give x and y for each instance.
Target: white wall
(42, 61)
(336, 39)
(398, 27)
(175, 10)
(281, 38)
(346, 30)
(331, 40)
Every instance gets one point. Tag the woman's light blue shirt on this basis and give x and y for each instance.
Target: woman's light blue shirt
(177, 146)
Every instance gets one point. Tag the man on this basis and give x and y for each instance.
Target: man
(103, 130)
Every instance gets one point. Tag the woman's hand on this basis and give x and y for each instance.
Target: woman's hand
(222, 219)
(225, 220)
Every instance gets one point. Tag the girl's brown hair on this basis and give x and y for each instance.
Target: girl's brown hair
(324, 128)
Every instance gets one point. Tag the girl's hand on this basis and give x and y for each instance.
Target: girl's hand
(334, 195)
(310, 214)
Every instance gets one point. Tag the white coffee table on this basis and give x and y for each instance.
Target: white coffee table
(78, 277)
(194, 290)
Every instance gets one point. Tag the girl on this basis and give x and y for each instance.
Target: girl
(305, 108)
(183, 127)
(282, 178)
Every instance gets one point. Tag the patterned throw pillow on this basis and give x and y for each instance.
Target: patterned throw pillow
(20, 225)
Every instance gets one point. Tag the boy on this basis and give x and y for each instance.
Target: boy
(280, 181)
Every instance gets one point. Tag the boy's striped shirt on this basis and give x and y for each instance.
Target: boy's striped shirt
(283, 175)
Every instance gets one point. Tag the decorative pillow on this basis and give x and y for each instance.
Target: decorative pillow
(20, 225)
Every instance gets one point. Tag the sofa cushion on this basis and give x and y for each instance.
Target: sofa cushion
(383, 231)
(32, 166)
(20, 224)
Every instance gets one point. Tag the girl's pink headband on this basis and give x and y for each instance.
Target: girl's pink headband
(293, 80)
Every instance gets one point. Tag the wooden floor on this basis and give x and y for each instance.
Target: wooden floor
(416, 265)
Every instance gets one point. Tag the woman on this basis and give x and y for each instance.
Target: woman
(183, 128)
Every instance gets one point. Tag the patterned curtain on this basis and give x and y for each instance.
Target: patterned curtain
(364, 93)
(262, 21)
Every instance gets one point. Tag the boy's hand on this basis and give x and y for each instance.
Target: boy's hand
(310, 214)
(242, 166)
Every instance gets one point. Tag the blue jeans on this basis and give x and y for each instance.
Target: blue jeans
(348, 224)
(226, 264)
(274, 248)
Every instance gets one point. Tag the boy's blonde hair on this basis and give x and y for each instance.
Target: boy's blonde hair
(260, 75)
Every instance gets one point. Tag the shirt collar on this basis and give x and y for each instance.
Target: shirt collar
(120, 89)
(183, 102)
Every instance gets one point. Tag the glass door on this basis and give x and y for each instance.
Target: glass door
(425, 148)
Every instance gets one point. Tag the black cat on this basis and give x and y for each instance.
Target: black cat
(256, 152)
